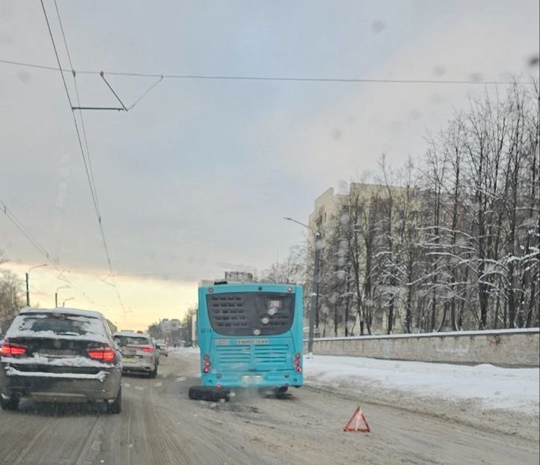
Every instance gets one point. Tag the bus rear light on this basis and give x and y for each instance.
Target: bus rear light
(297, 361)
(219, 386)
(211, 290)
(290, 289)
(10, 350)
(207, 363)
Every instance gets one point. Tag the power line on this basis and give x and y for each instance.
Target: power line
(90, 170)
(26, 233)
(87, 165)
(43, 251)
(86, 156)
(102, 74)
(204, 77)
(30, 65)
(145, 93)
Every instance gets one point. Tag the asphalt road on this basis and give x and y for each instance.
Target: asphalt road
(160, 425)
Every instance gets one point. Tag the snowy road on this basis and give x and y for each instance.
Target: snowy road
(159, 425)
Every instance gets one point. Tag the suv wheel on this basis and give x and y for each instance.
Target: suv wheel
(115, 406)
(9, 404)
(153, 373)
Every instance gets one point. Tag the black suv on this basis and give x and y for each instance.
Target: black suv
(60, 355)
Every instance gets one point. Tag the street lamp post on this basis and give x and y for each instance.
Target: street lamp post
(56, 295)
(28, 282)
(315, 286)
(67, 300)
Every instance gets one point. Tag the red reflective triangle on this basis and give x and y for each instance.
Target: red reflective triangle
(357, 423)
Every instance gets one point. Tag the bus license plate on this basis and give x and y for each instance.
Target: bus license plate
(252, 379)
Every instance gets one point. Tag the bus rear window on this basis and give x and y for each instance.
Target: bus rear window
(250, 314)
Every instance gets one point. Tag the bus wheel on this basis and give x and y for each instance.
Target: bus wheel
(281, 392)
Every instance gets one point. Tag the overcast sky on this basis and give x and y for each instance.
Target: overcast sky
(197, 177)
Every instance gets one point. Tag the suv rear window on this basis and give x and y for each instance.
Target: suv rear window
(59, 324)
(132, 340)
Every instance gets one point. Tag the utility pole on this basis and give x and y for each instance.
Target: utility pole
(56, 295)
(27, 289)
(28, 282)
(313, 313)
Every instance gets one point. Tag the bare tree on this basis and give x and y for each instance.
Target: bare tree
(290, 270)
(11, 297)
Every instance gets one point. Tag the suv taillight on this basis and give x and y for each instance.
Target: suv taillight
(147, 349)
(103, 354)
(13, 350)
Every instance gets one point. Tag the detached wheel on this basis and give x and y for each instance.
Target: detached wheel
(115, 406)
(209, 394)
(9, 404)
(195, 393)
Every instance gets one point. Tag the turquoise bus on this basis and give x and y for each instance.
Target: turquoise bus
(249, 335)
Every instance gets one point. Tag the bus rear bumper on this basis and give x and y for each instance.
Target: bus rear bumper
(262, 379)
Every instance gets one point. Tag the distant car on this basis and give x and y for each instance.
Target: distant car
(163, 347)
(60, 355)
(138, 352)
(156, 350)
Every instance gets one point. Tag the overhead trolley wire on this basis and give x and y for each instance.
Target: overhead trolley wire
(74, 74)
(222, 77)
(43, 251)
(11, 216)
(85, 156)
(87, 166)
(89, 169)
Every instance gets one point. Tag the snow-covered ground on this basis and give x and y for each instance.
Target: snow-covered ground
(490, 387)
(487, 386)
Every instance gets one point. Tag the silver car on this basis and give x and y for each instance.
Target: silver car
(163, 347)
(139, 353)
(60, 355)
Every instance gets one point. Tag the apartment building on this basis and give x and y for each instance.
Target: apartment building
(329, 208)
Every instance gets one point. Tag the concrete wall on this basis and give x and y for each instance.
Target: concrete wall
(515, 348)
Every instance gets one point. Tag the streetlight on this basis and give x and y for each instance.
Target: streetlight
(56, 295)
(315, 286)
(67, 300)
(28, 282)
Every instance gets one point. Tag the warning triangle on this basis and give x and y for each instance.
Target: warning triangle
(357, 423)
